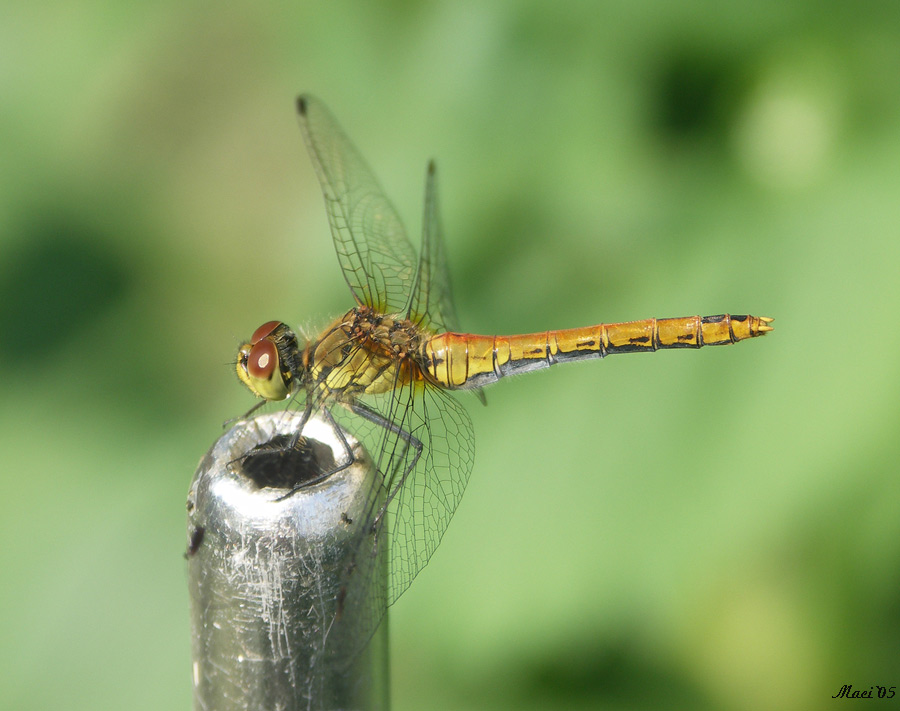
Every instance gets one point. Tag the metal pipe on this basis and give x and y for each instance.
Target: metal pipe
(266, 570)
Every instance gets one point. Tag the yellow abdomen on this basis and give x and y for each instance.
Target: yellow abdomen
(462, 360)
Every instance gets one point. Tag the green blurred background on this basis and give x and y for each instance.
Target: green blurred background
(697, 530)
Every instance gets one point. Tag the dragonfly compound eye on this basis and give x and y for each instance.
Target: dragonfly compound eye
(258, 368)
(262, 361)
(265, 330)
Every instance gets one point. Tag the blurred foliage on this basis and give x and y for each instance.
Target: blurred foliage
(709, 530)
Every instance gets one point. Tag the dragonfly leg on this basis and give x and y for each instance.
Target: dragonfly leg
(282, 444)
(247, 414)
(298, 435)
(408, 439)
(298, 432)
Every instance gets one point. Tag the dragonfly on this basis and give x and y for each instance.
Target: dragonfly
(387, 367)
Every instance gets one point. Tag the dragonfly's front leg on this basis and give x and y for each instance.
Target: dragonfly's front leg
(245, 416)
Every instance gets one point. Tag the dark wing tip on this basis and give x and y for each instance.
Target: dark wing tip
(431, 167)
(301, 104)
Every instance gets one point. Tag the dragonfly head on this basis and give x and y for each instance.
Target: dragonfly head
(268, 364)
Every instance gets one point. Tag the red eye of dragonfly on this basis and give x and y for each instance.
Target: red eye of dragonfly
(263, 331)
(262, 360)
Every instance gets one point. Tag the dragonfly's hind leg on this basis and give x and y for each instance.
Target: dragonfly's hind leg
(409, 440)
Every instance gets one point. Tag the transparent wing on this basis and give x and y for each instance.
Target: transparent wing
(431, 303)
(426, 500)
(431, 300)
(420, 438)
(421, 490)
(374, 252)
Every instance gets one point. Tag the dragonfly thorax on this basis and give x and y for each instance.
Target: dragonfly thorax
(364, 352)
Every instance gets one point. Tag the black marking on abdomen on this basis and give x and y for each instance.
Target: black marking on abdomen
(629, 347)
